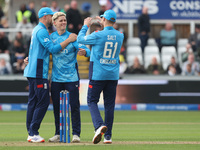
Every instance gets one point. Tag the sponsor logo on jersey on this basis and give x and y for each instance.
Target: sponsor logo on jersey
(79, 45)
(107, 61)
(46, 40)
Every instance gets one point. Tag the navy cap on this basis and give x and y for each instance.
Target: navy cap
(109, 15)
(45, 11)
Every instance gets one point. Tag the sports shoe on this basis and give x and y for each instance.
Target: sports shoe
(107, 140)
(76, 139)
(98, 134)
(29, 138)
(55, 138)
(37, 139)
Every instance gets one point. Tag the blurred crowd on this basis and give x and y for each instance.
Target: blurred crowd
(13, 52)
(166, 55)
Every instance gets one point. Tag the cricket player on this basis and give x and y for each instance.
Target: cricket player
(103, 71)
(65, 76)
(37, 72)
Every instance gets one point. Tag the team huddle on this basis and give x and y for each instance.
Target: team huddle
(64, 47)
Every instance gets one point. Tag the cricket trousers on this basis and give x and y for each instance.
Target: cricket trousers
(73, 88)
(109, 94)
(38, 102)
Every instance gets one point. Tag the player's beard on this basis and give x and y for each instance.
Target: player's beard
(50, 23)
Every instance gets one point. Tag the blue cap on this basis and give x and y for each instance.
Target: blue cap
(109, 15)
(45, 11)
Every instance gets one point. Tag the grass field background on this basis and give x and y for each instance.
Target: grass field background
(137, 130)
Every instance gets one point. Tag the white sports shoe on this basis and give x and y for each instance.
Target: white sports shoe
(107, 140)
(98, 134)
(55, 138)
(37, 139)
(29, 138)
(76, 139)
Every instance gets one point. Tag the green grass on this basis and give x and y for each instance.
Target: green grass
(138, 130)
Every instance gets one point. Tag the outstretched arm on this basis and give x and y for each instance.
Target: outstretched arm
(43, 37)
(89, 39)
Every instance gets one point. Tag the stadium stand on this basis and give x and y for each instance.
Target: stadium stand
(151, 42)
(182, 42)
(151, 50)
(134, 41)
(132, 52)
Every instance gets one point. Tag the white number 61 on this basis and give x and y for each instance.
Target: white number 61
(107, 51)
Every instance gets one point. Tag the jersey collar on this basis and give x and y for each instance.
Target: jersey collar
(65, 33)
(108, 28)
(40, 23)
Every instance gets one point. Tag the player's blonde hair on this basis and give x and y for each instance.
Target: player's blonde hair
(58, 14)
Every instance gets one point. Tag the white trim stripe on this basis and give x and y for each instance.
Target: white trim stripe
(177, 94)
(14, 93)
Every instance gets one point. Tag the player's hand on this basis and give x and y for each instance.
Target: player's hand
(87, 21)
(81, 52)
(98, 19)
(26, 61)
(72, 37)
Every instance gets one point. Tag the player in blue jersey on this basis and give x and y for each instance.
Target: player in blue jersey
(65, 76)
(103, 71)
(37, 72)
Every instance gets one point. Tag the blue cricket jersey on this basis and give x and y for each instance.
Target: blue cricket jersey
(39, 49)
(104, 59)
(65, 68)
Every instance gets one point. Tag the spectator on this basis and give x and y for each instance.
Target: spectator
(144, 27)
(24, 26)
(5, 67)
(74, 21)
(18, 49)
(175, 65)
(23, 42)
(155, 68)
(19, 66)
(103, 8)
(19, 37)
(168, 35)
(23, 12)
(184, 55)
(85, 10)
(171, 70)
(54, 6)
(33, 18)
(4, 23)
(1, 13)
(136, 68)
(189, 71)
(44, 4)
(4, 43)
(65, 9)
(193, 63)
(194, 40)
